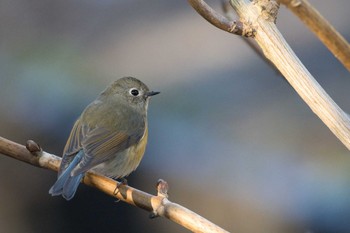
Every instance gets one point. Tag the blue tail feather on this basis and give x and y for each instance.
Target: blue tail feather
(71, 186)
(66, 185)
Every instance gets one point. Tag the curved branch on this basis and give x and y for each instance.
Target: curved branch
(159, 205)
(329, 36)
(216, 19)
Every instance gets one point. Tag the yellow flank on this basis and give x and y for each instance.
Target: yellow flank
(139, 150)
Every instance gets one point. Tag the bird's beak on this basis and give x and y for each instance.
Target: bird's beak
(152, 93)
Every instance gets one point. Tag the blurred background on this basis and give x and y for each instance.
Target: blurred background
(234, 141)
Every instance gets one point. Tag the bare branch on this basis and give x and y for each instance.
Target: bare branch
(329, 36)
(278, 51)
(159, 205)
(216, 19)
(227, 9)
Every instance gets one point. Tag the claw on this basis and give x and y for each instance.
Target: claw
(123, 181)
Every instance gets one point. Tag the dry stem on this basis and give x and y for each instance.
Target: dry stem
(329, 36)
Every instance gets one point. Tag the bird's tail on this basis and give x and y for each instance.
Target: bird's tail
(66, 185)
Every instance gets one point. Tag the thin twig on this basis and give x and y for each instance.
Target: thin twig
(159, 205)
(329, 36)
(216, 19)
(278, 51)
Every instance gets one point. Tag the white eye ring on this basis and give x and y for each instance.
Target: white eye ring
(134, 92)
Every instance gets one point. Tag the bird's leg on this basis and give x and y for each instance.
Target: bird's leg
(122, 181)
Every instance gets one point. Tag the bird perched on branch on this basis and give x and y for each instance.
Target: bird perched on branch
(109, 137)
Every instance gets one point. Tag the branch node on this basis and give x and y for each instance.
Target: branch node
(162, 188)
(268, 9)
(161, 208)
(218, 20)
(33, 147)
(241, 29)
(162, 193)
(248, 29)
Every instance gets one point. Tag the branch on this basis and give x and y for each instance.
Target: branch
(278, 51)
(226, 7)
(329, 36)
(218, 20)
(261, 15)
(159, 205)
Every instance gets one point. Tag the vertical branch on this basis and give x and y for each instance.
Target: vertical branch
(329, 36)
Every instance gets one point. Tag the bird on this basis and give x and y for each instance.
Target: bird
(108, 138)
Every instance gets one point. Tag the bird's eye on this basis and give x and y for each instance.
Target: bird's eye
(134, 92)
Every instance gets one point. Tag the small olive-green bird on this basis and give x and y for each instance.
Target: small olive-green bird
(109, 137)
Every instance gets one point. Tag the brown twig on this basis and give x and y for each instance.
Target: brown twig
(329, 36)
(159, 205)
(218, 20)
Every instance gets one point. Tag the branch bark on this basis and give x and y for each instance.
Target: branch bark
(329, 36)
(261, 14)
(159, 205)
(278, 51)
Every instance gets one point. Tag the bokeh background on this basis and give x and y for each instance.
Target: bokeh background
(233, 139)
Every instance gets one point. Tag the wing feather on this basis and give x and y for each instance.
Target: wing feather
(72, 147)
(101, 145)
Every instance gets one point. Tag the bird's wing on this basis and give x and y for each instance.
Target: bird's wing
(73, 145)
(100, 144)
(74, 142)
